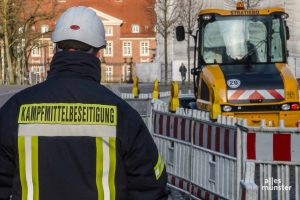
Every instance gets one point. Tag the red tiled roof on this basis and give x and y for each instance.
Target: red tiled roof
(140, 12)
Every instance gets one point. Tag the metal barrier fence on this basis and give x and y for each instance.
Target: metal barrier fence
(221, 161)
(197, 153)
(145, 96)
(148, 96)
(273, 159)
(143, 106)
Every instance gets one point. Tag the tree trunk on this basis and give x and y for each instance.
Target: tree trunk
(188, 43)
(166, 40)
(11, 74)
(189, 60)
(3, 73)
(18, 71)
(1, 65)
(166, 58)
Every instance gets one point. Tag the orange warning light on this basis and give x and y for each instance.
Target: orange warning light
(240, 6)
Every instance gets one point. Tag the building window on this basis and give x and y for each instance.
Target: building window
(36, 51)
(37, 69)
(108, 51)
(135, 28)
(109, 31)
(44, 28)
(51, 48)
(144, 48)
(109, 73)
(126, 72)
(127, 49)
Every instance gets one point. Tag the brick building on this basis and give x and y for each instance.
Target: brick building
(130, 35)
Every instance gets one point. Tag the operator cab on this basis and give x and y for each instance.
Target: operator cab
(240, 64)
(242, 39)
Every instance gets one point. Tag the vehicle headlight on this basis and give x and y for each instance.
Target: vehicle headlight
(285, 107)
(206, 17)
(227, 108)
(285, 16)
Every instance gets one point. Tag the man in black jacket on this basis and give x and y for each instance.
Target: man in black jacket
(69, 138)
(182, 70)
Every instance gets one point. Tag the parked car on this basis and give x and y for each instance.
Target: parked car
(187, 102)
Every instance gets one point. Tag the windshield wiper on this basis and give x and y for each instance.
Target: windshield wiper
(253, 50)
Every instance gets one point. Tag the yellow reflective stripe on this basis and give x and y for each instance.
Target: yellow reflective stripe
(112, 167)
(99, 167)
(35, 167)
(68, 113)
(21, 149)
(159, 167)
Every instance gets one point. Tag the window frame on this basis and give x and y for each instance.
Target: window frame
(143, 48)
(135, 28)
(125, 48)
(44, 28)
(111, 47)
(51, 48)
(109, 33)
(36, 48)
(109, 73)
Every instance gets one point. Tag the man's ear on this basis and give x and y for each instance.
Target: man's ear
(55, 49)
(98, 54)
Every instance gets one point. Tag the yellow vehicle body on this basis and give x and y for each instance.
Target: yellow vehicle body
(212, 80)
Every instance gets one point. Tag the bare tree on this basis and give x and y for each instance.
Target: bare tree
(1, 57)
(251, 3)
(17, 19)
(167, 15)
(188, 18)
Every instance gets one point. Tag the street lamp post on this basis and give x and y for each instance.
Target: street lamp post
(128, 65)
(125, 70)
(130, 71)
(44, 30)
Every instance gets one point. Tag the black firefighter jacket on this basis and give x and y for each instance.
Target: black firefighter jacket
(69, 138)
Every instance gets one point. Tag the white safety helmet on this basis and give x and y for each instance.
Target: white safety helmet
(80, 24)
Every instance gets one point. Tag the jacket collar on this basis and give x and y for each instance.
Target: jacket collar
(75, 64)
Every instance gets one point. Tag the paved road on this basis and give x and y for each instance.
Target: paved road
(8, 91)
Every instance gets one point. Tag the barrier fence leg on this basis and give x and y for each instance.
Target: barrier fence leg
(249, 190)
(239, 166)
(149, 114)
(297, 182)
(191, 158)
